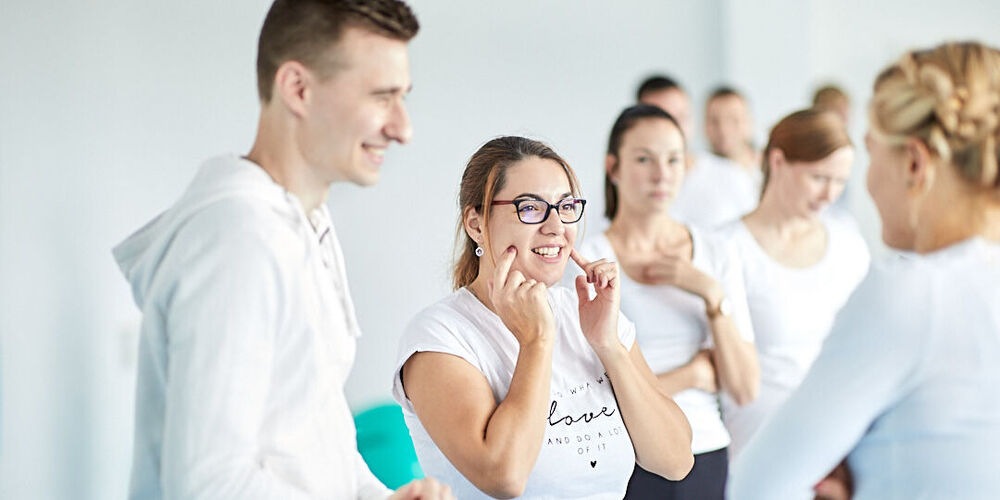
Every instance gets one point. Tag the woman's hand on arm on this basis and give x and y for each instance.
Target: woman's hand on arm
(699, 373)
(734, 358)
(494, 446)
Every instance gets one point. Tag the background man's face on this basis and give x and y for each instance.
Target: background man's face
(727, 125)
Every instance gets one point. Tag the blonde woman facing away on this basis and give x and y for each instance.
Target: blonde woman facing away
(906, 384)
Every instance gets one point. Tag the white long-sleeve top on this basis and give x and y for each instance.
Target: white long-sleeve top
(906, 387)
(248, 335)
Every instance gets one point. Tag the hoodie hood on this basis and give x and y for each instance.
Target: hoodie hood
(218, 179)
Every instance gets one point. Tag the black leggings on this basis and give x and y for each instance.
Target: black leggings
(706, 481)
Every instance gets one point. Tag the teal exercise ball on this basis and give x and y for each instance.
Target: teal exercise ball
(384, 443)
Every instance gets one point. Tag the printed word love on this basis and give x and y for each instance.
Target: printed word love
(586, 417)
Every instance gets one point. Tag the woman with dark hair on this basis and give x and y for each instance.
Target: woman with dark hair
(512, 387)
(800, 262)
(684, 291)
(906, 383)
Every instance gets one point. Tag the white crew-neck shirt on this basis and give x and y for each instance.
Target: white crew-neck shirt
(715, 191)
(587, 452)
(905, 387)
(671, 325)
(792, 310)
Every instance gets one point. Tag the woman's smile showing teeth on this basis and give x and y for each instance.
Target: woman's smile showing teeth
(548, 252)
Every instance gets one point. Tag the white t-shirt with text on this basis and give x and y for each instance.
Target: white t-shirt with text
(587, 452)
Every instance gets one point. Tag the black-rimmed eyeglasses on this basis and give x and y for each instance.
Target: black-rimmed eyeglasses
(535, 211)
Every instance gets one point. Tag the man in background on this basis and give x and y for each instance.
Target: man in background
(832, 98)
(665, 93)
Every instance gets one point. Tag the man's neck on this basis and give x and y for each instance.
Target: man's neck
(745, 157)
(275, 151)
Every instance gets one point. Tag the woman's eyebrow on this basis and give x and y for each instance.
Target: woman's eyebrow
(540, 197)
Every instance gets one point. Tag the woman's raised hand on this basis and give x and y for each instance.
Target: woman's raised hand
(521, 303)
(598, 316)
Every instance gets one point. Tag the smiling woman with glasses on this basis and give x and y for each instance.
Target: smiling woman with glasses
(512, 387)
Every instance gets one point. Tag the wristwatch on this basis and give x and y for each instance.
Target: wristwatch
(725, 308)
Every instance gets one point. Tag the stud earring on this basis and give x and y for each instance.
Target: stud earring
(480, 251)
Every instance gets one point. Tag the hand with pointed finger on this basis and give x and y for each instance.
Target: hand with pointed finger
(521, 303)
(423, 489)
(598, 316)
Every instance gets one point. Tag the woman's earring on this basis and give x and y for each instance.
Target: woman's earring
(479, 251)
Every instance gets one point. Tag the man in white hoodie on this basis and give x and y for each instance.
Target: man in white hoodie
(248, 330)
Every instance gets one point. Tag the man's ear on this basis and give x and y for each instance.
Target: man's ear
(611, 167)
(920, 170)
(292, 85)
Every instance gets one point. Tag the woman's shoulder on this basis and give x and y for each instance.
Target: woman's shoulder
(446, 314)
(843, 230)
(894, 292)
(718, 247)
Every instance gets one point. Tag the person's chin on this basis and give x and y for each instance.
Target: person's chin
(366, 176)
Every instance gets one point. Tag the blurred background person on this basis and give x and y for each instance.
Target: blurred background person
(800, 262)
(664, 92)
(832, 98)
(729, 127)
(724, 185)
(685, 291)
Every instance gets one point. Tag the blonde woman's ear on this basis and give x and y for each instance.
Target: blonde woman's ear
(920, 170)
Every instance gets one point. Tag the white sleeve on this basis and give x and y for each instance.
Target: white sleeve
(869, 362)
(432, 330)
(222, 313)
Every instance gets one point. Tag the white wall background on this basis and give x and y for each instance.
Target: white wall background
(108, 106)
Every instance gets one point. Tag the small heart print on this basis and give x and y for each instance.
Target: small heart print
(593, 463)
